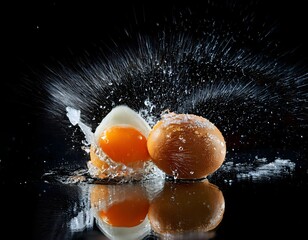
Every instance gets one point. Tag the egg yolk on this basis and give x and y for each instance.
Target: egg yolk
(96, 160)
(128, 213)
(124, 144)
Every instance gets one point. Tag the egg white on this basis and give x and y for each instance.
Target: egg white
(122, 115)
(129, 233)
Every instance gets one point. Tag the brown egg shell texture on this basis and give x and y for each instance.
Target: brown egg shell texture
(186, 146)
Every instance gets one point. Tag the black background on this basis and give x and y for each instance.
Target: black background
(36, 33)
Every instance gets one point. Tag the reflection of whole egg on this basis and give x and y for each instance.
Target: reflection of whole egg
(121, 210)
(182, 208)
(120, 141)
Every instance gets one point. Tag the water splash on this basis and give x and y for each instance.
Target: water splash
(244, 91)
(74, 117)
(261, 169)
(147, 113)
(227, 69)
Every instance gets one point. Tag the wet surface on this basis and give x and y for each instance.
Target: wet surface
(268, 205)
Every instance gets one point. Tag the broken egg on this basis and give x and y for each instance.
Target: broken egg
(120, 142)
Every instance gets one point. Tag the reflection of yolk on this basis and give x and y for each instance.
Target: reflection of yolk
(124, 144)
(128, 213)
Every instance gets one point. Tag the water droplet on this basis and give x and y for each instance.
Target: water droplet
(105, 139)
(182, 139)
(175, 174)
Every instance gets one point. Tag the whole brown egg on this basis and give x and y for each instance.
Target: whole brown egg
(186, 146)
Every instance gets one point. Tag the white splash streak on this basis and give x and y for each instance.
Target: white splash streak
(259, 169)
(74, 117)
(275, 168)
(147, 112)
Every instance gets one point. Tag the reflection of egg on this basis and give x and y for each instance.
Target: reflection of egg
(121, 210)
(121, 137)
(183, 208)
(186, 146)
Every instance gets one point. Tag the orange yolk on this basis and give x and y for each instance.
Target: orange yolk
(124, 144)
(128, 213)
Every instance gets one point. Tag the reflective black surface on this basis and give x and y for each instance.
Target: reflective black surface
(262, 200)
(270, 205)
